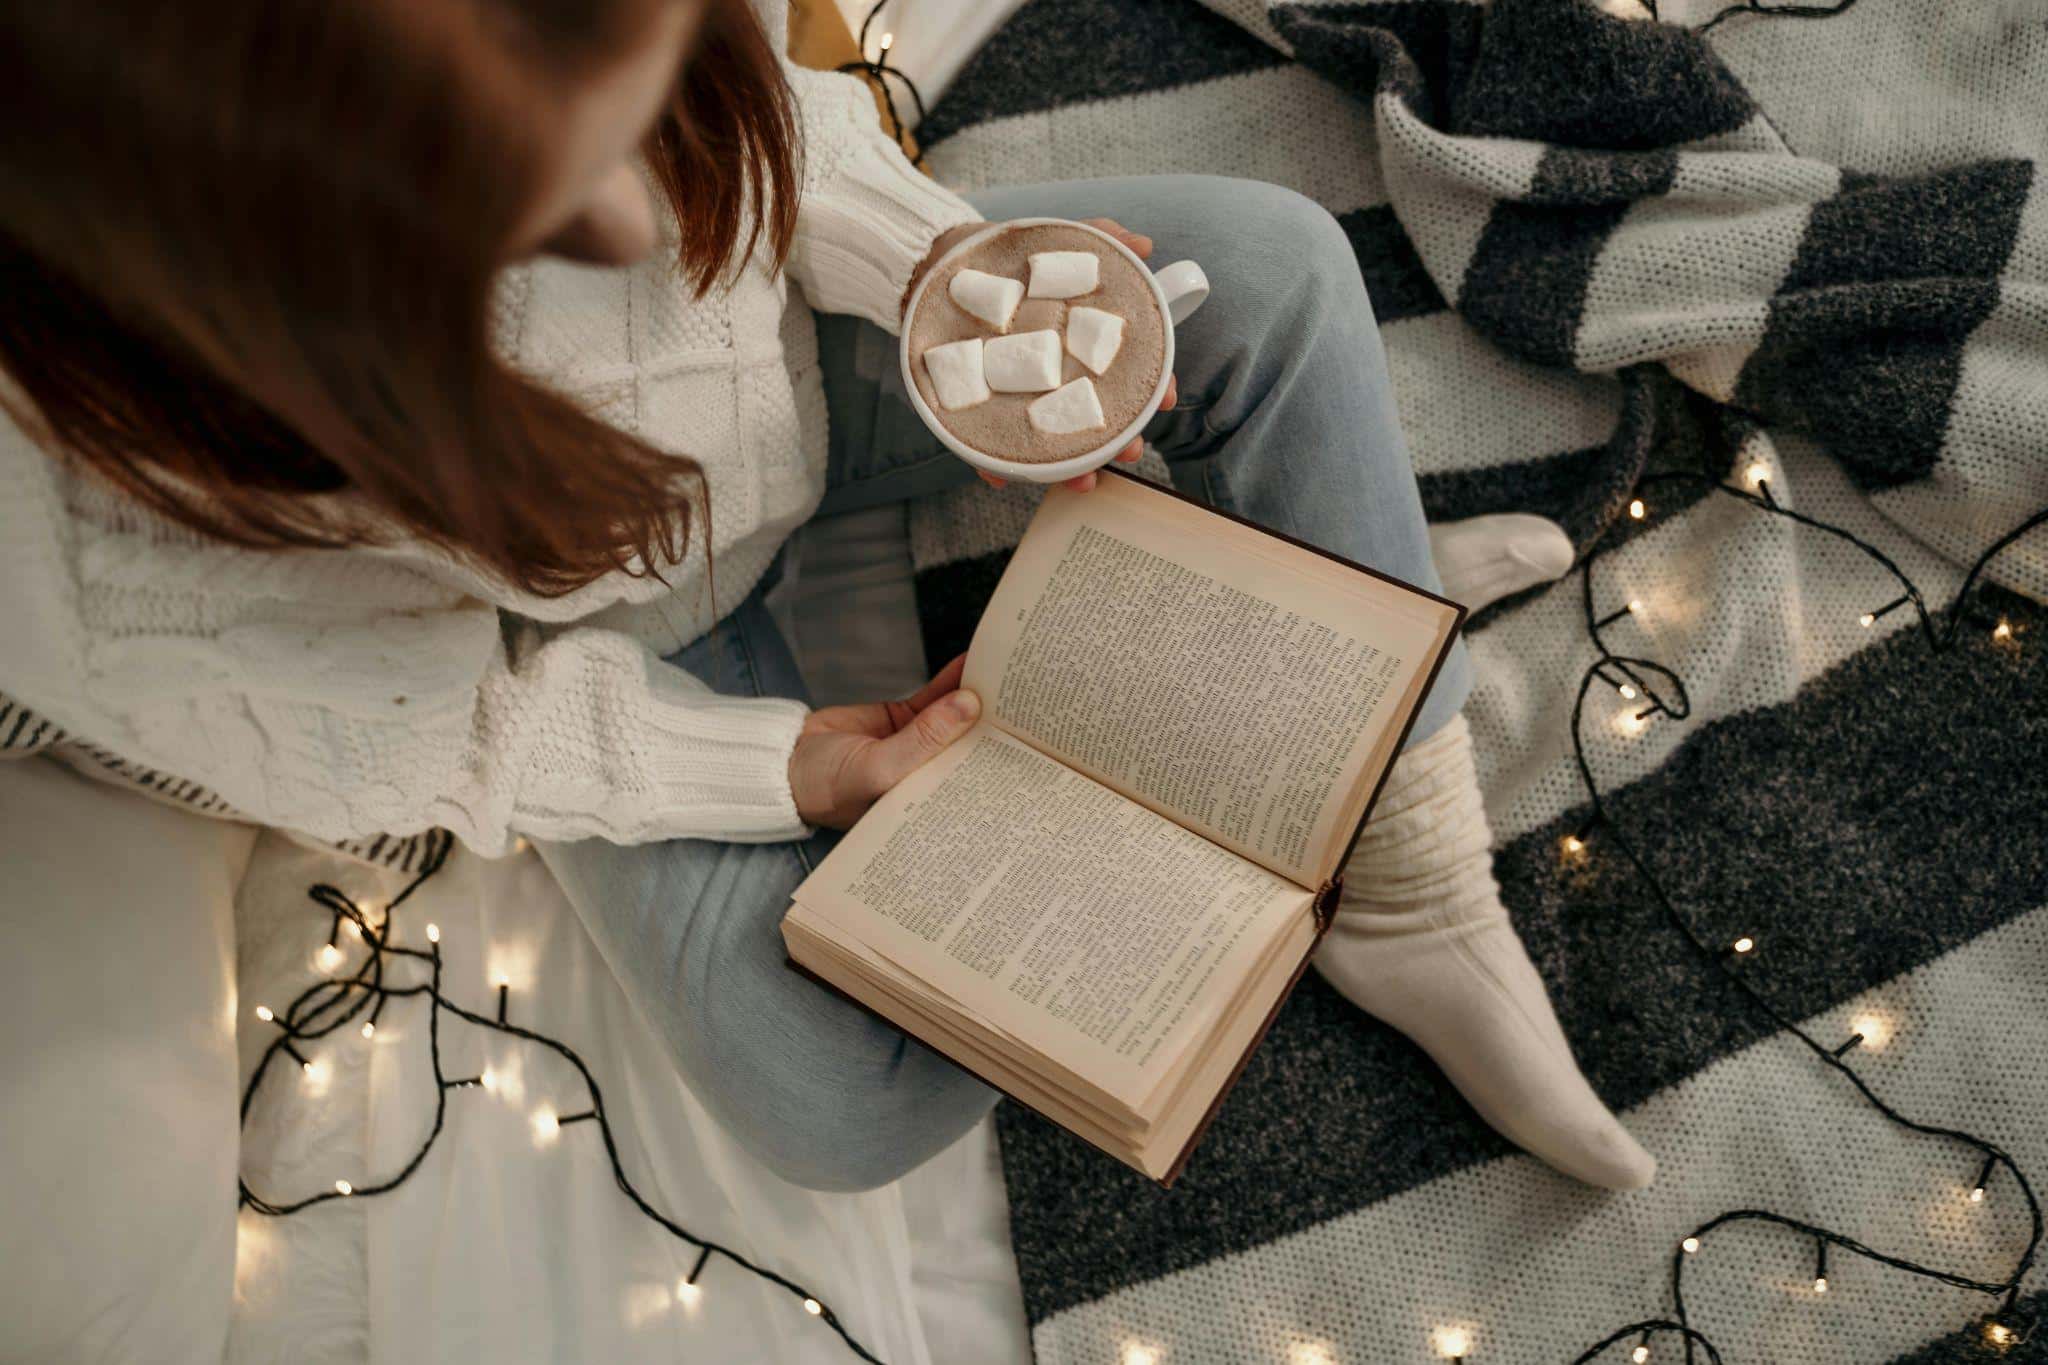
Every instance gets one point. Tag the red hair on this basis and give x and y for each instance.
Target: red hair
(247, 255)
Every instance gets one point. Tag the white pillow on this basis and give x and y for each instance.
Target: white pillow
(118, 1077)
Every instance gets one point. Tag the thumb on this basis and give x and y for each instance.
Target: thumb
(889, 761)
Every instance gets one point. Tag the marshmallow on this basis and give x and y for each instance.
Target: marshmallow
(955, 369)
(1028, 362)
(1062, 274)
(1093, 336)
(1067, 409)
(990, 298)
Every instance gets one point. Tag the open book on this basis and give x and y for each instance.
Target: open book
(1097, 899)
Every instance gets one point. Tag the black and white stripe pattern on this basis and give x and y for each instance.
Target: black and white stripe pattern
(1593, 253)
(25, 734)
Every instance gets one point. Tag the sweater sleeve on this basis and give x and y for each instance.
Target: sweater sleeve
(867, 216)
(372, 701)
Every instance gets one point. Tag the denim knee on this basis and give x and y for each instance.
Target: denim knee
(873, 1129)
(1294, 241)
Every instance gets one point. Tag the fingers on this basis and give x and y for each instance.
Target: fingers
(885, 763)
(944, 681)
(1172, 399)
(1131, 453)
(874, 719)
(1138, 242)
(991, 480)
(1081, 483)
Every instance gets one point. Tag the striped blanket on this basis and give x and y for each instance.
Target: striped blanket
(1601, 248)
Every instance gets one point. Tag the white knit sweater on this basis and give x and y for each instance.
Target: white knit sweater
(356, 692)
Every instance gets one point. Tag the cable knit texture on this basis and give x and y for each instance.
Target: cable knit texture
(1422, 942)
(394, 689)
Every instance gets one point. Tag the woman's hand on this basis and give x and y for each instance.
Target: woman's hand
(847, 756)
(1140, 246)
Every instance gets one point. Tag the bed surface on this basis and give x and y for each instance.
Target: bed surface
(510, 1248)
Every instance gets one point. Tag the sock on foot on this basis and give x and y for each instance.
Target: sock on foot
(1422, 942)
(1483, 559)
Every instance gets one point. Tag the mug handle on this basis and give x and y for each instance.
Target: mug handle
(1185, 287)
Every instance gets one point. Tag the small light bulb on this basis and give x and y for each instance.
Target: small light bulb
(1690, 1246)
(503, 981)
(888, 41)
(1639, 1354)
(1574, 844)
(1867, 619)
(1998, 1334)
(1820, 1284)
(1635, 606)
(1757, 473)
(813, 1307)
(1137, 1354)
(263, 1013)
(489, 1080)
(316, 1071)
(369, 1029)
(330, 957)
(1630, 723)
(433, 933)
(687, 1293)
(1636, 508)
(1744, 944)
(1875, 1028)
(1450, 1342)
(1628, 691)
(2002, 631)
(343, 1187)
(546, 1127)
(1977, 1195)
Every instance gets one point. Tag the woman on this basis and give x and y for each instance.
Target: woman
(341, 485)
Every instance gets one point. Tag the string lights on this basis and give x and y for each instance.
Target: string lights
(337, 1000)
(1872, 1031)
(389, 970)
(1666, 693)
(879, 71)
(1451, 1343)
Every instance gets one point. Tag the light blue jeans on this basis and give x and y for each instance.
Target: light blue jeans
(1285, 418)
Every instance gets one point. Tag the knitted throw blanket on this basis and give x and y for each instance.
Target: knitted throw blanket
(1601, 247)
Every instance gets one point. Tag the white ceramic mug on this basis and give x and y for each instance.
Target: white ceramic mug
(1179, 290)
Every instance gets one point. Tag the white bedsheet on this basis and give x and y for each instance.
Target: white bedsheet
(512, 1248)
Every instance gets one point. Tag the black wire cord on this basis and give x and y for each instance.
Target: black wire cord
(1666, 694)
(1757, 7)
(335, 1002)
(880, 71)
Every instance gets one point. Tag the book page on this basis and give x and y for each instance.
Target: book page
(1090, 929)
(1239, 685)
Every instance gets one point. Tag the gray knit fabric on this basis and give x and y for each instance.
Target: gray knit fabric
(1598, 248)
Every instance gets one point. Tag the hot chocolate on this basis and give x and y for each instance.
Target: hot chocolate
(1038, 344)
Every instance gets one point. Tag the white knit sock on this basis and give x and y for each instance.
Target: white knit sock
(1483, 559)
(1422, 942)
